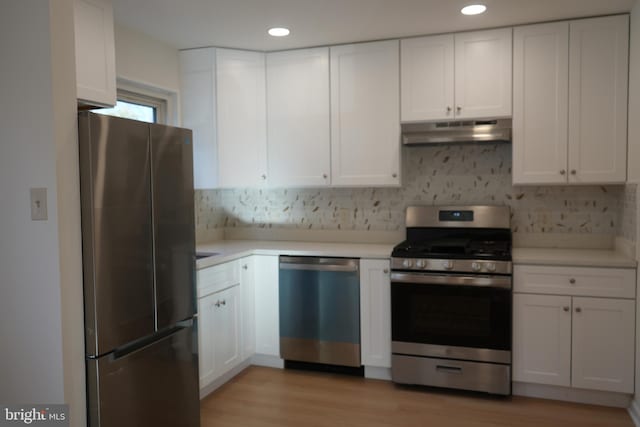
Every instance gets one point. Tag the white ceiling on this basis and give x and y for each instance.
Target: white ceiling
(244, 23)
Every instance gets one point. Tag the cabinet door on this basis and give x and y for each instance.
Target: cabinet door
(375, 313)
(95, 52)
(540, 103)
(299, 129)
(603, 344)
(226, 318)
(241, 109)
(598, 90)
(542, 339)
(206, 339)
(483, 74)
(427, 78)
(267, 319)
(247, 294)
(365, 114)
(198, 84)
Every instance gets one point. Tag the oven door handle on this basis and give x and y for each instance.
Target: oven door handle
(456, 280)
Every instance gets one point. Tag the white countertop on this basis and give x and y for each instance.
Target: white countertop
(572, 257)
(234, 249)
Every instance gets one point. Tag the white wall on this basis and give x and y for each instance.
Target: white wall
(634, 95)
(65, 134)
(149, 62)
(634, 152)
(40, 323)
(30, 314)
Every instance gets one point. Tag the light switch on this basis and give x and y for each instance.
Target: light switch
(39, 204)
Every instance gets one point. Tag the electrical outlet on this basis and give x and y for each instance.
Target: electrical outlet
(39, 204)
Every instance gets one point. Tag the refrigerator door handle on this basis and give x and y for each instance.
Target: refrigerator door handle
(149, 341)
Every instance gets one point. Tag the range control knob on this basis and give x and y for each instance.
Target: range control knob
(420, 263)
(490, 266)
(447, 265)
(407, 263)
(475, 266)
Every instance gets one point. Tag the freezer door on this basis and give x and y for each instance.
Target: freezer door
(115, 185)
(174, 228)
(156, 385)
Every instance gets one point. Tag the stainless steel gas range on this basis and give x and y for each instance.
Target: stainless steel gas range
(451, 299)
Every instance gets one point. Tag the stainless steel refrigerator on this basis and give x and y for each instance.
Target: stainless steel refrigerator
(136, 182)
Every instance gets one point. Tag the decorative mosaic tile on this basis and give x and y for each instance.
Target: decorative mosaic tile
(437, 175)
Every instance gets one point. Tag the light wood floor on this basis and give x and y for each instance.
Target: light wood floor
(264, 397)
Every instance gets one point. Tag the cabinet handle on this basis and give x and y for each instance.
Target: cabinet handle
(245, 267)
(325, 176)
(565, 308)
(394, 175)
(578, 310)
(572, 281)
(573, 172)
(385, 271)
(224, 302)
(563, 172)
(264, 176)
(448, 109)
(217, 304)
(459, 108)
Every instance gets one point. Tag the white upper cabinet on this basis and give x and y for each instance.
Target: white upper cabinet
(598, 90)
(570, 102)
(298, 118)
(457, 76)
(540, 102)
(199, 112)
(95, 52)
(483, 74)
(365, 114)
(241, 118)
(427, 72)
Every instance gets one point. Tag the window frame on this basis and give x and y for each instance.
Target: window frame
(169, 97)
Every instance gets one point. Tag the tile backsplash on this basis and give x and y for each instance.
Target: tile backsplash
(447, 174)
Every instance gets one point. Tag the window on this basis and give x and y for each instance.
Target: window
(136, 106)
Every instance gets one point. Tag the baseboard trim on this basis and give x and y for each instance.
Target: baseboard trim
(376, 373)
(634, 412)
(567, 394)
(267, 361)
(223, 379)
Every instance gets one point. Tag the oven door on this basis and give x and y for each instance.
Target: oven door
(456, 316)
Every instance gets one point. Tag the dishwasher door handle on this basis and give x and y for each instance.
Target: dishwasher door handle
(320, 267)
(347, 265)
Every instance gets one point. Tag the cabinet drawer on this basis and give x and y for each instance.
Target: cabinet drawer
(218, 277)
(580, 281)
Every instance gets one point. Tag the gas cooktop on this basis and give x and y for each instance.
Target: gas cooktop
(474, 239)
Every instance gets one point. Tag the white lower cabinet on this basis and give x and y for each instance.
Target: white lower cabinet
(542, 339)
(226, 331)
(219, 335)
(579, 342)
(603, 344)
(267, 315)
(226, 312)
(375, 313)
(247, 295)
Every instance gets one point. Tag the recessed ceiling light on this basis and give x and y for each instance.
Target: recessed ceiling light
(474, 9)
(279, 32)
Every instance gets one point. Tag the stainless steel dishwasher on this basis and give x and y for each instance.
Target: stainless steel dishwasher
(320, 310)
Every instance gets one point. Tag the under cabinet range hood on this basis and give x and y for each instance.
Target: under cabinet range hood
(456, 132)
